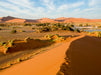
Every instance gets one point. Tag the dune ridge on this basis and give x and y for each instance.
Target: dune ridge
(10, 19)
(83, 57)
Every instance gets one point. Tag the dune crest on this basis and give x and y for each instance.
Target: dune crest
(46, 20)
(83, 57)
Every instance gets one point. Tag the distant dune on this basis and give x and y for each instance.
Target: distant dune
(46, 20)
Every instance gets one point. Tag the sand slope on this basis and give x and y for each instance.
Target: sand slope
(85, 56)
(47, 63)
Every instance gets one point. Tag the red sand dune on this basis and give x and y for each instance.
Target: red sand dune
(47, 63)
(81, 20)
(47, 20)
(61, 18)
(85, 56)
(17, 20)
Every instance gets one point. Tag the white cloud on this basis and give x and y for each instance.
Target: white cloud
(67, 6)
(77, 4)
(94, 2)
(47, 8)
(77, 9)
(49, 4)
(20, 7)
(22, 3)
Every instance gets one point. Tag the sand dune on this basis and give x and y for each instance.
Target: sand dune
(47, 63)
(85, 57)
(47, 20)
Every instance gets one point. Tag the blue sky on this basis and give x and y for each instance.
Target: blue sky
(34, 9)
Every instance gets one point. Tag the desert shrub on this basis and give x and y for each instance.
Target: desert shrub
(54, 28)
(33, 28)
(0, 29)
(77, 30)
(46, 29)
(22, 31)
(71, 25)
(54, 38)
(27, 39)
(98, 34)
(80, 25)
(67, 28)
(86, 25)
(27, 24)
(39, 24)
(11, 42)
(48, 36)
(5, 45)
(42, 24)
(99, 26)
(37, 30)
(58, 25)
(18, 60)
(1, 24)
(2, 43)
(13, 31)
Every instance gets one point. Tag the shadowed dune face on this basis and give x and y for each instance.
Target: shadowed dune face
(21, 45)
(4, 19)
(29, 45)
(32, 21)
(11, 19)
(84, 55)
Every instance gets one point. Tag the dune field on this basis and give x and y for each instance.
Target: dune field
(50, 37)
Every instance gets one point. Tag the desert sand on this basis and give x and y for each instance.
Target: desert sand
(47, 63)
(10, 19)
(85, 56)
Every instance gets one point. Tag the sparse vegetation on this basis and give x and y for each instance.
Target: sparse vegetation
(27, 24)
(99, 26)
(2, 43)
(98, 34)
(54, 38)
(80, 25)
(87, 25)
(50, 28)
(77, 30)
(13, 31)
(0, 28)
(71, 25)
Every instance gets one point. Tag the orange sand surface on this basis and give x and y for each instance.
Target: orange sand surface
(46, 63)
(85, 56)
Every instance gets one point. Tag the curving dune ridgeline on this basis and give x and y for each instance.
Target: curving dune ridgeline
(47, 63)
(83, 57)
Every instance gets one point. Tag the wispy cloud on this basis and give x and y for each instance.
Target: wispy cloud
(94, 2)
(49, 8)
(68, 6)
(20, 7)
(49, 4)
